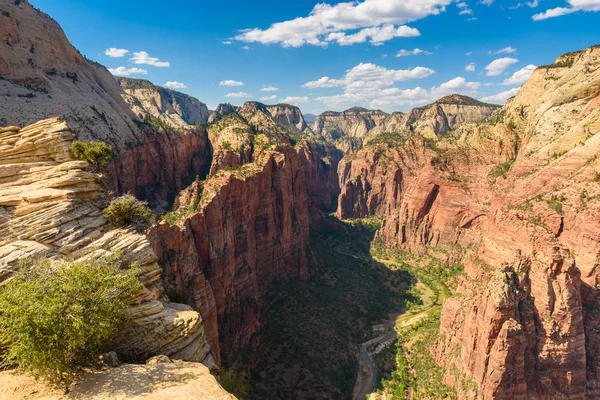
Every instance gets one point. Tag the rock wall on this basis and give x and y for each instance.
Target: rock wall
(174, 108)
(43, 76)
(521, 194)
(50, 206)
(237, 233)
(353, 128)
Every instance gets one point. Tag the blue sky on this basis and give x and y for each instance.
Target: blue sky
(330, 56)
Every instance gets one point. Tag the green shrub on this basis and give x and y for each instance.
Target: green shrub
(56, 319)
(95, 153)
(127, 210)
(234, 383)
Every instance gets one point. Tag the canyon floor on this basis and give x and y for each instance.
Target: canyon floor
(319, 333)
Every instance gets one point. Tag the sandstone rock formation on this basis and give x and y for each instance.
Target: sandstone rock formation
(43, 76)
(520, 193)
(350, 129)
(173, 108)
(230, 236)
(153, 381)
(50, 206)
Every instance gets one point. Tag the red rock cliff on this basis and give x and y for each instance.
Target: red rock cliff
(249, 227)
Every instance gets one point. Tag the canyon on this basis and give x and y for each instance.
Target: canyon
(266, 250)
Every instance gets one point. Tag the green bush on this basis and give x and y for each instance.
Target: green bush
(127, 210)
(95, 153)
(56, 319)
(234, 383)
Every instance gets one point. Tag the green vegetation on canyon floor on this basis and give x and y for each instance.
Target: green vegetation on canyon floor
(312, 329)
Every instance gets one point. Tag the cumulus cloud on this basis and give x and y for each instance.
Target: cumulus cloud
(230, 82)
(116, 53)
(175, 85)
(466, 11)
(500, 65)
(122, 71)
(415, 52)
(376, 36)
(268, 98)
(296, 100)
(239, 95)
(573, 6)
(501, 97)
(506, 50)
(373, 86)
(521, 76)
(471, 67)
(269, 89)
(141, 57)
(324, 82)
(377, 21)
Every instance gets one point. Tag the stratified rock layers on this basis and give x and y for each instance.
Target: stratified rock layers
(44, 76)
(50, 205)
(522, 197)
(247, 232)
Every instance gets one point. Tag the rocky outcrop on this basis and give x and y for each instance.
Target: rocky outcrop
(348, 129)
(289, 117)
(233, 235)
(43, 76)
(353, 128)
(51, 206)
(154, 381)
(520, 193)
(174, 108)
(220, 111)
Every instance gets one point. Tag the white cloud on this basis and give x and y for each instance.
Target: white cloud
(469, 53)
(500, 65)
(521, 76)
(296, 100)
(324, 82)
(230, 82)
(268, 98)
(501, 98)
(415, 52)
(462, 4)
(471, 67)
(227, 42)
(141, 57)
(175, 85)
(506, 50)
(122, 71)
(246, 48)
(456, 85)
(376, 20)
(269, 89)
(239, 95)
(116, 53)
(574, 6)
(466, 11)
(377, 35)
(487, 2)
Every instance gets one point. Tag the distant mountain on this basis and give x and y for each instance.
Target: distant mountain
(174, 108)
(351, 128)
(310, 118)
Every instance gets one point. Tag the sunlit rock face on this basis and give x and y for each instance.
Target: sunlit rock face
(50, 206)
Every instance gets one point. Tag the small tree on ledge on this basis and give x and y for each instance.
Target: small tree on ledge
(95, 153)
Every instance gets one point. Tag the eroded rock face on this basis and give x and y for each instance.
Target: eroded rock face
(172, 107)
(236, 234)
(44, 76)
(353, 128)
(50, 206)
(520, 193)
